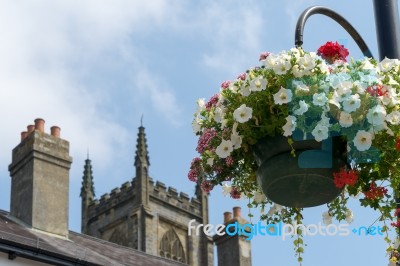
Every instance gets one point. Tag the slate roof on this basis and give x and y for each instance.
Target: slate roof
(20, 241)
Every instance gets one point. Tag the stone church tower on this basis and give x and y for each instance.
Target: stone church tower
(146, 215)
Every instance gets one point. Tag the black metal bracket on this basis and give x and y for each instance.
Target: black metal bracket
(335, 16)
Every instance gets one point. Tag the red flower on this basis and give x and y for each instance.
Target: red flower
(375, 192)
(225, 84)
(195, 169)
(235, 193)
(332, 52)
(398, 144)
(396, 224)
(212, 102)
(204, 142)
(229, 161)
(206, 186)
(263, 56)
(377, 90)
(242, 76)
(344, 177)
(192, 175)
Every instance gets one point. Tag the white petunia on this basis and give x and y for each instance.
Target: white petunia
(224, 149)
(298, 72)
(196, 125)
(218, 114)
(258, 84)
(345, 119)
(336, 99)
(360, 86)
(335, 80)
(290, 126)
(224, 122)
(376, 115)
(236, 138)
(243, 114)
(366, 64)
(245, 90)
(210, 161)
(396, 243)
(307, 62)
(282, 66)
(320, 132)
(386, 64)
(226, 189)
(302, 109)
(391, 97)
(324, 120)
(362, 140)
(201, 105)
(274, 209)
(300, 87)
(283, 96)
(326, 218)
(319, 99)
(351, 103)
(393, 118)
(349, 216)
(259, 197)
(270, 61)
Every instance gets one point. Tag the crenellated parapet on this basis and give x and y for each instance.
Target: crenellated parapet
(158, 191)
(107, 201)
(177, 199)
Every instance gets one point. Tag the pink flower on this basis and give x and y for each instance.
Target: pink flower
(205, 140)
(192, 175)
(206, 186)
(195, 169)
(263, 56)
(225, 84)
(212, 102)
(242, 76)
(235, 193)
(229, 161)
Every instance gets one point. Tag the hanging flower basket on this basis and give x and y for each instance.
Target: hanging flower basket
(302, 181)
(305, 129)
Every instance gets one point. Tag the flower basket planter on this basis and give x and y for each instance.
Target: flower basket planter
(302, 181)
(249, 143)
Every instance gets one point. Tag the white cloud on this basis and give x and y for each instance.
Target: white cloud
(161, 97)
(49, 53)
(236, 33)
(293, 10)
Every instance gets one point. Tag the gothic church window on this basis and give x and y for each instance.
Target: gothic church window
(119, 238)
(171, 247)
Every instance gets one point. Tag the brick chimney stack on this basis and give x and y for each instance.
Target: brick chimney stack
(233, 250)
(40, 179)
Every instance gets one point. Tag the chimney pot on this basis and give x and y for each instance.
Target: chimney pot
(30, 129)
(236, 212)
(227, 217)
(24, 134)
(39, 124)
(55, 131)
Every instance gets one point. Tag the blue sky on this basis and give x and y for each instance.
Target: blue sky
(94, 67)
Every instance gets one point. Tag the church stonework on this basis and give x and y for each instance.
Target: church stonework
(146, 215)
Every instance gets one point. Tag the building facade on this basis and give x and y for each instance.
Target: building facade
(140, 223)
(146, 215)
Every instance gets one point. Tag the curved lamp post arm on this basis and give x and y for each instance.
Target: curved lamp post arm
(335, 16)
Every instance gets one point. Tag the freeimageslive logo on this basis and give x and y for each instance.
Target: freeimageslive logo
(281, 230)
